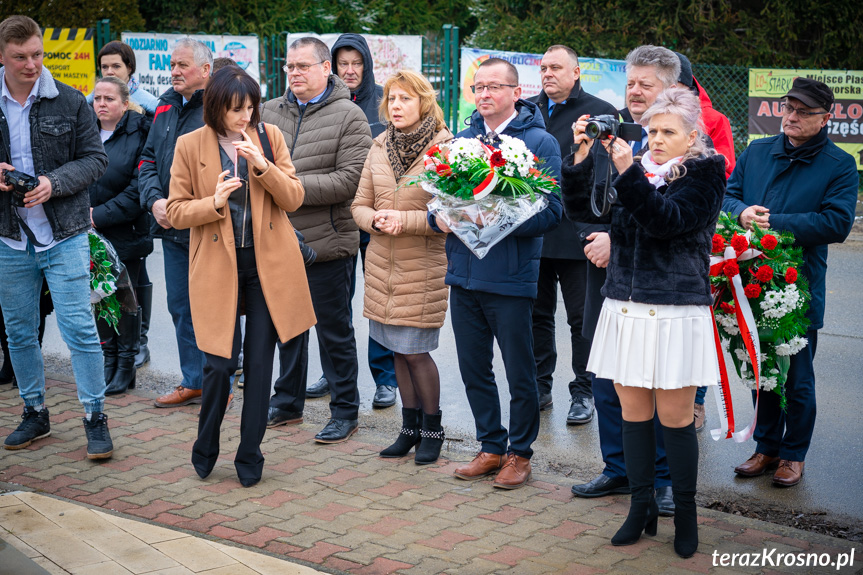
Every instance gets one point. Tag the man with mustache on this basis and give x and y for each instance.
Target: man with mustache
(649, 71)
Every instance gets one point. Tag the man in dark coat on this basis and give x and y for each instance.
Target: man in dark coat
(353, 63)
(492, 298)
(179, 112)
(561, 102)
(801, 182)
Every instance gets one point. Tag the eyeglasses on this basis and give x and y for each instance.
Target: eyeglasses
(492, 88)
(301, 68)
(801, 113)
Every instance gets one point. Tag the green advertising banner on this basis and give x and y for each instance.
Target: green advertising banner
(845, 127)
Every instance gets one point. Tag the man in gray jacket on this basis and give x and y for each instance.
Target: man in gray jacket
(48, 134)
(329, 139)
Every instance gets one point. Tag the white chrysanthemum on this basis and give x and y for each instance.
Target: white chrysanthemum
(792, 346)
(515, 151)
(779, 303)
(768, 383)
(741, 354)
(728, 323)
(462, 150)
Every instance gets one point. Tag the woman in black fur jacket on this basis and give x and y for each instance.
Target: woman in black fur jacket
(654, 337)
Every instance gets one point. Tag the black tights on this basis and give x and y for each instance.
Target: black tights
(419, 381)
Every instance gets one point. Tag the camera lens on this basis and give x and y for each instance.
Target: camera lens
(593, 130)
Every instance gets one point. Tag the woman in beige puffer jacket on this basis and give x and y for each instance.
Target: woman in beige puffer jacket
(405, 294)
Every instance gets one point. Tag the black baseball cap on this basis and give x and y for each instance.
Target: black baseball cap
(813, 93)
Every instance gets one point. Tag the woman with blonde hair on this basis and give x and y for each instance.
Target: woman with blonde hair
(405, 295)
(654, 337)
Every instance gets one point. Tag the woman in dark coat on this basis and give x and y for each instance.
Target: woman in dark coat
(116, 213)
(654, 337)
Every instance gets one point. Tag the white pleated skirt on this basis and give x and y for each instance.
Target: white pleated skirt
(654, 346)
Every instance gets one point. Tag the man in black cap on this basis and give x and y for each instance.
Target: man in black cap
(801, 182)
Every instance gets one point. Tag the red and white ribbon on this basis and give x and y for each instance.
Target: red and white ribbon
(749, 333)
(487, 185)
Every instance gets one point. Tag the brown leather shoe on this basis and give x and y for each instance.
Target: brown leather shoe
(756, 465)
(514, 474)
(789, 473)
(178, 397)
(483, 464)
(699, 417)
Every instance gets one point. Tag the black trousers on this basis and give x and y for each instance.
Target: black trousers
(258, 347)
(479, 318)
(572, 276)
(330, 285)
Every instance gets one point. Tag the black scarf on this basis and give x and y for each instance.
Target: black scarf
(809, 148)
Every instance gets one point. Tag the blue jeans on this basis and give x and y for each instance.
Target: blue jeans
(176, 256)
(66, 266)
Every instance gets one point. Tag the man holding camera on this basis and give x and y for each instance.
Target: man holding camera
(561, 102)
(50, 153)
(649, 71)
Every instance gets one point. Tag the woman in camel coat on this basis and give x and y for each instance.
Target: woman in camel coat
(405, 297)
(244, 258)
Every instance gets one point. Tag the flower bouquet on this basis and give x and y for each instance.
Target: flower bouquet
(760, 302)
(483, 193)
(111, 290)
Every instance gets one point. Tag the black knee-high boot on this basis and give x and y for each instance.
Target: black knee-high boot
(639, 454)
(681, 449)
(126, 347)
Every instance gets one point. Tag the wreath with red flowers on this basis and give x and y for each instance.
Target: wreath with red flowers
(767, 262)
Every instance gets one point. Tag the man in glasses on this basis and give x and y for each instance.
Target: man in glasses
(492, 298)
(801, 182)
(329, 138)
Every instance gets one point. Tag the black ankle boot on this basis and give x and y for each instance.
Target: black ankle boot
(639, 454)
(432, 439)
(127, 347)
(681, 450)
(408, 436)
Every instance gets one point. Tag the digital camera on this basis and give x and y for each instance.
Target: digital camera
(607, 125)
(21, 184)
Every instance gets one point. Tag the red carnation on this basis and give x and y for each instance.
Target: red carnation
(727, 308)
(791, 275)
(92, 265)
(731, 269)
(764, 274)
(433, 150)
(497, 159)
(752, 291)
(718, 243)
(443, 170)
(739, 243)
(769, 242)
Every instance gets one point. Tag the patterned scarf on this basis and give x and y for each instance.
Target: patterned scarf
(403, 149)
(133, 85)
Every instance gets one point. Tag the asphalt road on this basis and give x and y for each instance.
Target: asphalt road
(834, 465)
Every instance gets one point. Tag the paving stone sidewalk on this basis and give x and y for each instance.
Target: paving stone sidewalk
(341, 508)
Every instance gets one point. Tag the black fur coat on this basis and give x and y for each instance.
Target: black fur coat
(660, 238)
